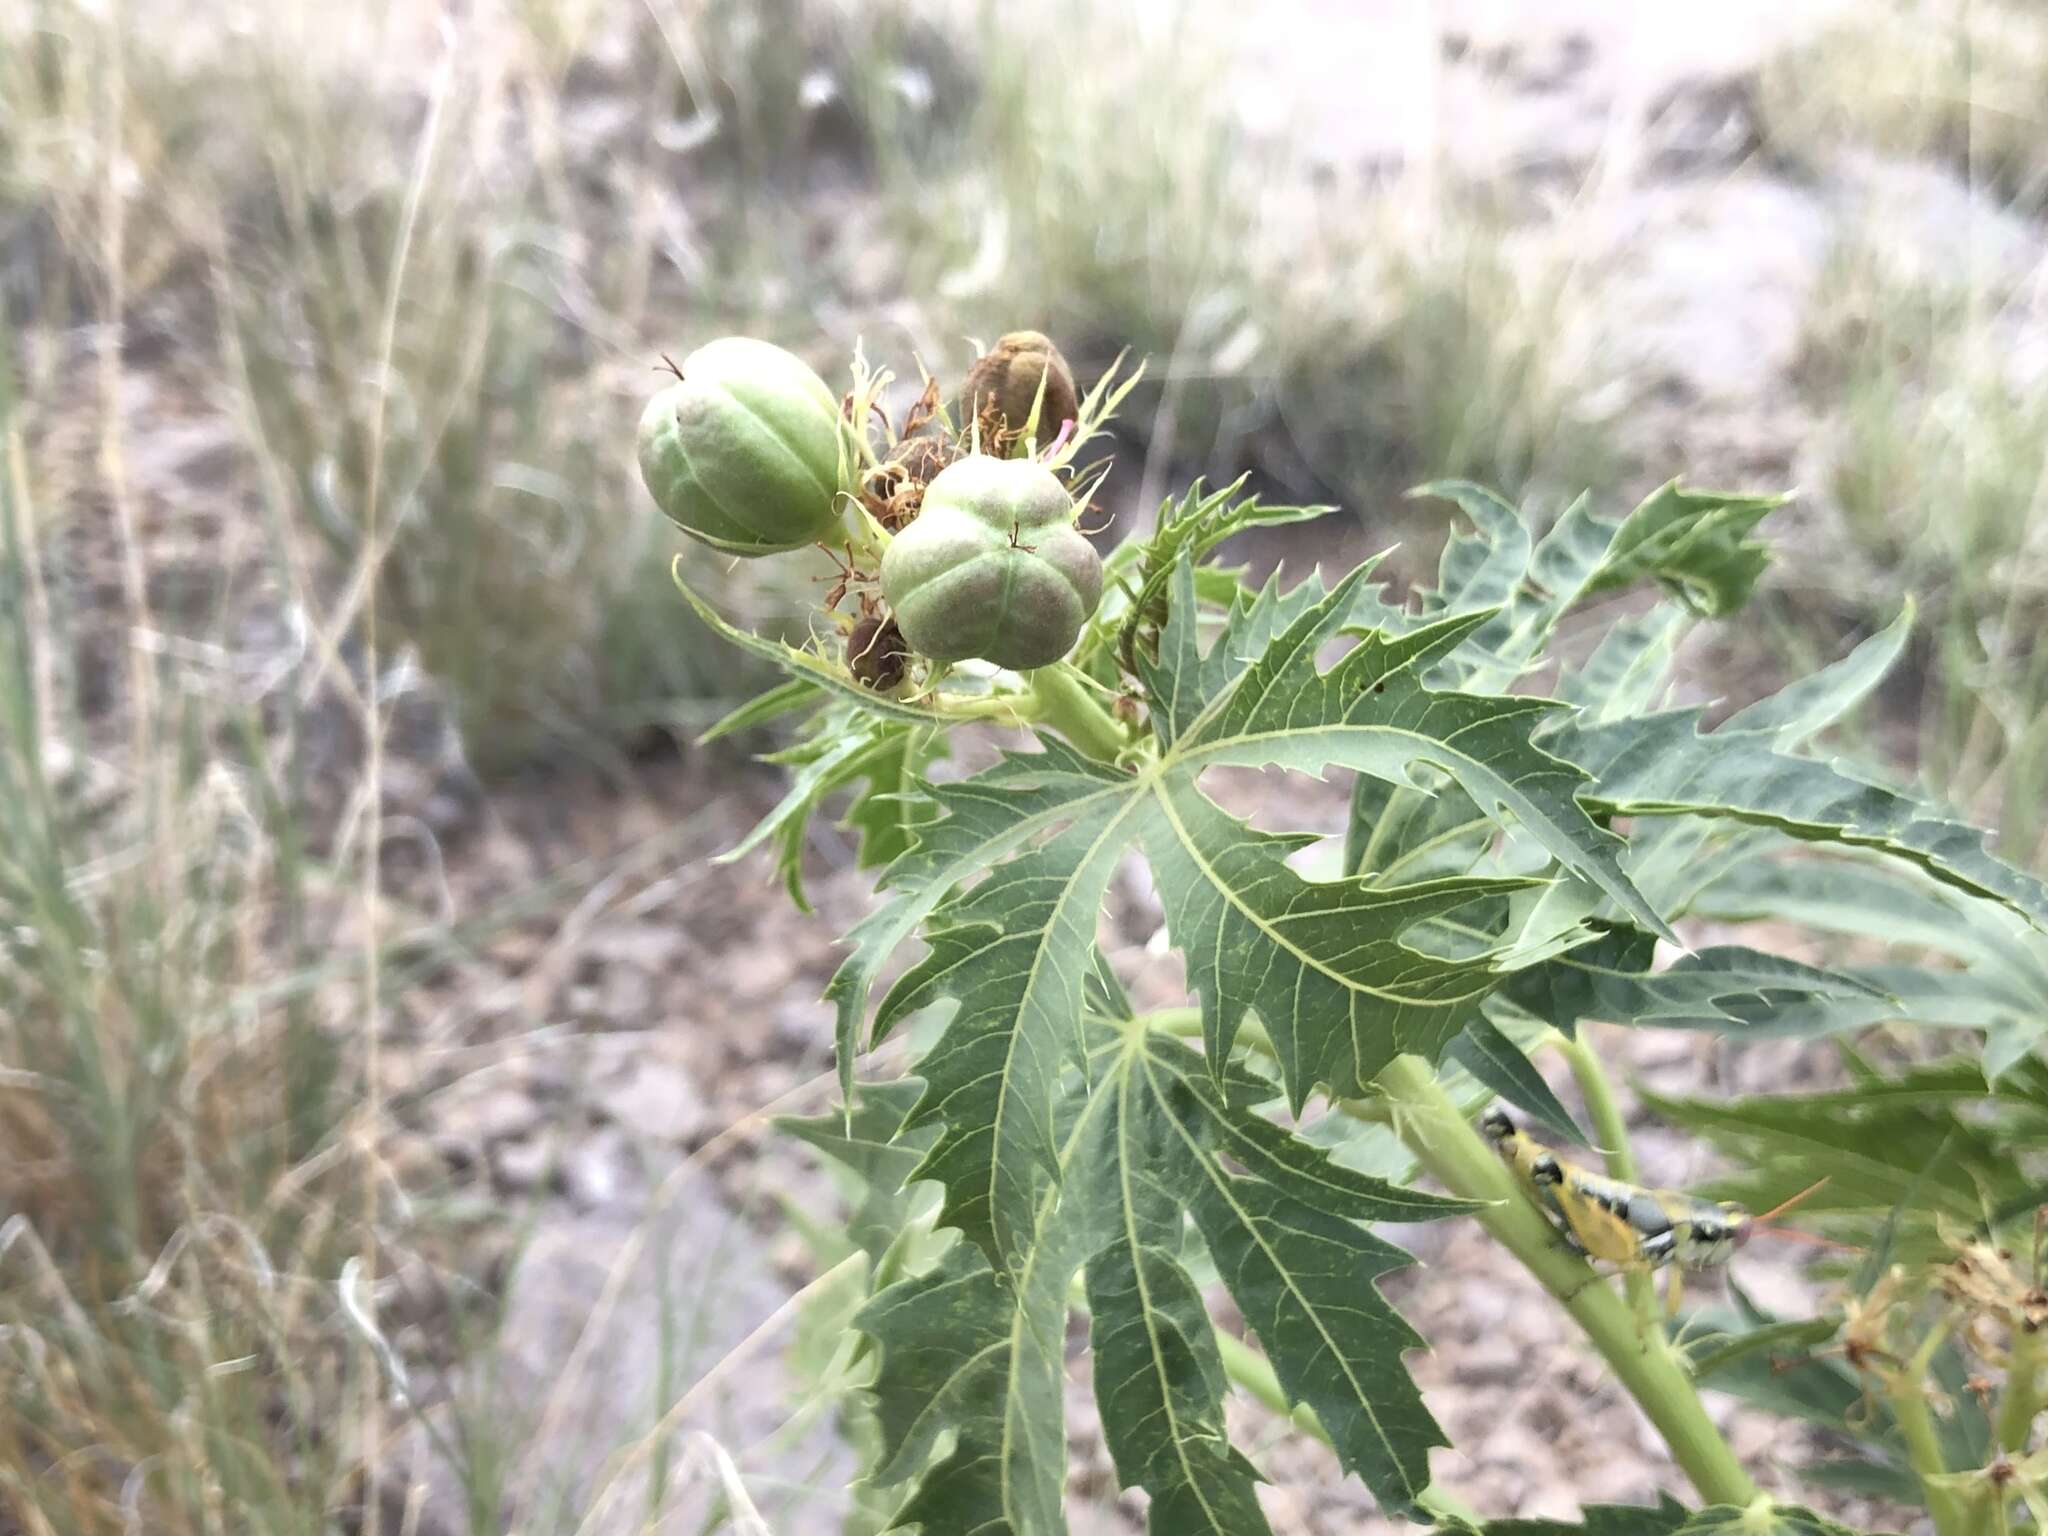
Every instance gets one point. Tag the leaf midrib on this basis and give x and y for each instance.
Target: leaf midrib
(1132, 1050)
(1280, 940)
(1014, 1337)
(1287, 1278)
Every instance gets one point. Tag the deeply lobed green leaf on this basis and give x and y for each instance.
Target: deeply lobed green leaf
(1148, 1147)
(1483, 888)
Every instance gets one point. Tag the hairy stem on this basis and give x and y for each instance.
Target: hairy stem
(1641, 1360)
(1008, 709)
(1060, 699)
(1252, 1373)
(2022, 1400)
(1611, 1131)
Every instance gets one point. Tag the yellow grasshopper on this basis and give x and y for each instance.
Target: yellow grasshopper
(1625, 1224)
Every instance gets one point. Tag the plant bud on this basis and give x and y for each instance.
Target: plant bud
(993, 568)
(742, 451)
(1009, 375)
(922, 457)
(876, 654)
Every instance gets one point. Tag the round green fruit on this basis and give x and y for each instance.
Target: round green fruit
(742, 451)
(993, 568)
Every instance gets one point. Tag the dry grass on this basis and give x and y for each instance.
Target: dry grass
(1103, 187)
(1938, 464)
(614, 182)
(171, 1206)
(1961, 82)
(1928, 372)
(266, 171)
(424, 281)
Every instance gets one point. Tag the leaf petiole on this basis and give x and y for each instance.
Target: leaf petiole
(2022, 1400)
(1605, 1113)
(1059, 698)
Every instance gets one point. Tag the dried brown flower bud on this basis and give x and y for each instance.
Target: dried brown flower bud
(923, 456)
(1008, 375)
(876, 654)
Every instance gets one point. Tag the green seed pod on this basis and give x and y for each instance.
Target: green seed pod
(993, 567)
(742, 451)
(1009, 374)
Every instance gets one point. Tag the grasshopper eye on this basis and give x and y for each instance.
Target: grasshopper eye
(1735, 1224)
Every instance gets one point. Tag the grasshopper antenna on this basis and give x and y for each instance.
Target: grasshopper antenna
(1757, 1223)
(1793, 1234)
(1785, 1205)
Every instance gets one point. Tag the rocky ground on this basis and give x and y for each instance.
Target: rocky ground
(590, 1085)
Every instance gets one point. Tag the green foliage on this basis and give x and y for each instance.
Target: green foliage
(1193, 527)
(1903, 1150)
(1667, 1519)
(1786, 1368)
(1960, 964)
(1151, 1131)
(848, 748)
(1698, 545)
(1511, 864)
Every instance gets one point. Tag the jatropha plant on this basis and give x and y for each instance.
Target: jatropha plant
(1530, 838)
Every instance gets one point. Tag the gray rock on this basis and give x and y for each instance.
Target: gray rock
(609, 1319)
(488, 1115)
(519, 1167)
(654, 1099)
(603, 1169)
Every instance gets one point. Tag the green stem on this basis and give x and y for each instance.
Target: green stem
(1181, 1023)
(1601, 1107)
(1641, 1360)
(1906, 1393)
(1611, 1131)
(1060, 699)
(1253, 1373)
(1012, 709)
(2022, 1398)
(1186, 1024)
(1446, 1505)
